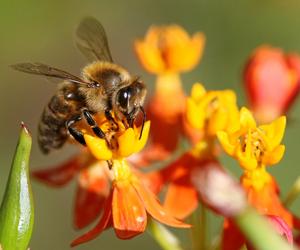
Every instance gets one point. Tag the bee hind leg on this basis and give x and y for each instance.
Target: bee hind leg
(77, 135)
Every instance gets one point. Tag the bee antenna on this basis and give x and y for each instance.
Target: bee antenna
(143, 122)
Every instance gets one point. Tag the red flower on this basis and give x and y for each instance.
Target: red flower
(92, 189)
(127, 206)
(272, 82)
(181, 197)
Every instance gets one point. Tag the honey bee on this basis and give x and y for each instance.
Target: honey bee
(104, 87)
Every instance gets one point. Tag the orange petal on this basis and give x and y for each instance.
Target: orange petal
(150, 57)
(90, 198)
(155, 209)
(129, 214)
(60, 175)
(181, 198)
(100, 227)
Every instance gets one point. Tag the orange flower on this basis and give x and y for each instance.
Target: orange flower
(255, 147)
(272, 82)
(127, 207)
(169, 49)
(91, 168)
(266, 200)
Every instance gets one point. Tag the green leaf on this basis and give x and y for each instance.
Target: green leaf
(17, 211)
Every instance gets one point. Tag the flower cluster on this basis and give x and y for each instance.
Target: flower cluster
(211, 122)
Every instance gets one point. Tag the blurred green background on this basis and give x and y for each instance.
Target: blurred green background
(42, 31)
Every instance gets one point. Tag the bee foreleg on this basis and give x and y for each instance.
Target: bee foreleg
(96, 129)
(78, 136)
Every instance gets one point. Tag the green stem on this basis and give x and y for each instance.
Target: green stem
(163, 236)
(259, 232)
(199, 228)
(293, 193)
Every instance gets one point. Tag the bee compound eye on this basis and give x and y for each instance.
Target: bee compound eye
(123, 98)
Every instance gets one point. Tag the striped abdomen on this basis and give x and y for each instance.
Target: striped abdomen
(52, 132)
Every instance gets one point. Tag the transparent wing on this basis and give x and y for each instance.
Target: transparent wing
(91, 40)
(45, 70)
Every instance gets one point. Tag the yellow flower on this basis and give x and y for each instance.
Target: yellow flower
(123, 142)
(169, 49)
(254, 146)
(212, 111)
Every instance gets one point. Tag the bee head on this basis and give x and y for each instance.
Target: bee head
(130, 99)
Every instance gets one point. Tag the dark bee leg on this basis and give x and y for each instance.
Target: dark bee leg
(130, 119)
(90, 120)
(110, 118)
(110, 164)
(78, 136)
(143, 122)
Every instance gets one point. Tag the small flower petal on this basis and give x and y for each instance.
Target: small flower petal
(181, 198)
(154, 208)
(98, 147)
(129, 214)
(99, 228)
(275, 156)
(60, 175)
(92, 191)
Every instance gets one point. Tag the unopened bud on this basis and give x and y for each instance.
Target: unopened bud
(218, 190)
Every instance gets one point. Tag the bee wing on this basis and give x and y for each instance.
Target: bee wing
(91, 40)
(45, 70)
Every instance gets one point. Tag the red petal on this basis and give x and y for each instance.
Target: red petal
(155, 209)
(60, 175)
(100, 227)
(129, 214)
(272, 81)
(182, 166)
(92, 192)
(232, 237)
(181, 198)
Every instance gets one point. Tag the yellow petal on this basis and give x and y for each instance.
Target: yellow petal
(194, 114)
(98, 147)
(225, 142)
(274, 132)
(197, 92)
(246, 118)
(186, 53)
(129, 141)
(246, 161)
(126, 143)
(273, 157)
(217, 121)
(150, 57)
(140, 143)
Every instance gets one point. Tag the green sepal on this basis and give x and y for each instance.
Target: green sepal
(17, 210)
